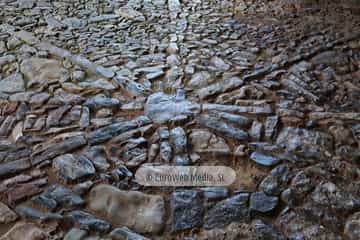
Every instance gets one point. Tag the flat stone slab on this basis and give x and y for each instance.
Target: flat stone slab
(141, 212)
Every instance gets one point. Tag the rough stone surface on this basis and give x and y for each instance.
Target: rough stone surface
(233, 209)
(141, 212)
(6, 214)
(260, 202)
(161, 107)
(71, 167)
(186, 210)
(91, 91)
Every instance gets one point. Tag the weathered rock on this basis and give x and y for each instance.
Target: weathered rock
(13, 167)
(141, 212)
(305, 143)
(7, 125)
(75, 234)
(12, 84)
(275, 182)
(220, 87)
(25, 230)
(271, 127)
(125, 233)
(179, 140)
(220, 64)
(135, 152)
(6, 214)
(186, 210)
(328, 194)
(256, 130)
(296, 225)
(58, 195)
(202, 140)
(28, 212)
(223, 128)
(238, 120)
(130, 13)
(97, 155)
(266, 231)
(261, 202)
(88, 222)
(98, 84)
(162, 108)
(71, 167)
(166, 151)
(233, 209)
(200, 79)
(106, 133)
(98, 102)
(264, 160)
(43, 71)
(56, 147)
(215, 193)
(352, 226)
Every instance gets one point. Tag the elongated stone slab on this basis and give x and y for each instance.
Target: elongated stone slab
(238, 109)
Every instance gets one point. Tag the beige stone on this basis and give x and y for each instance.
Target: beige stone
(43, 71)
(6, 214)
(141, 212)
(28, 231)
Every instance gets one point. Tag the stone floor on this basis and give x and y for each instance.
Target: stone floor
(90, 90)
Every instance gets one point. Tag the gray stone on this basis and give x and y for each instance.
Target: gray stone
(6, 214)
(329, 195)
(271, 127)
(186, 210)
(43, 71)
(200, 79)
(264, 160)
(56, 147)
(305, 143)
(233, 209)
(220, 64)
(71, 167)
(179, 140)
(256, 130)
(106, 133)
(162, 108)
(125, 233)
(12, 84)
(28, 212)
(166, 151)
(75, 234)
(352, 226)
(223, 128)
(57, 195)
(88, 222)
(263, 203)
(8, 168)
(266, 231)
(97, 155)
(98, 102)
(215, 193)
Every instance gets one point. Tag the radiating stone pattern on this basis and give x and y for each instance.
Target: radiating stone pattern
(90, 90)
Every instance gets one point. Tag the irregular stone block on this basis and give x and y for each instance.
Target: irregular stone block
(142, 212)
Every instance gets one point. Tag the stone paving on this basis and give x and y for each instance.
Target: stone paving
(91, 90)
